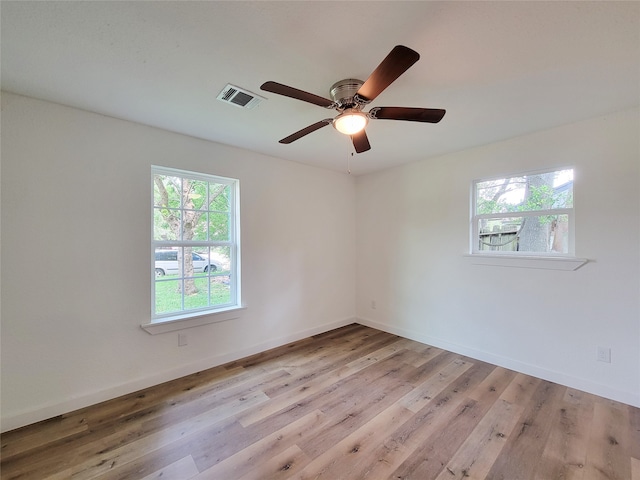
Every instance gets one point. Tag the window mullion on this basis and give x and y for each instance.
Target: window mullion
(529, 213)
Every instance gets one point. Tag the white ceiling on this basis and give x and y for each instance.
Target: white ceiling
(500, 69)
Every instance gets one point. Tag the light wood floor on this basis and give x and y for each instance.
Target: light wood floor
(348, 404)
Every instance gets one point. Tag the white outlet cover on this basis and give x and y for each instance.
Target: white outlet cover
(604, 354)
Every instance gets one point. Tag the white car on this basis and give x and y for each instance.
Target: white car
(167, 263)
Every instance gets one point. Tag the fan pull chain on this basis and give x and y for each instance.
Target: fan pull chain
(349, 156)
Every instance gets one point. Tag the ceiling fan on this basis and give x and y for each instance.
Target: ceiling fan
(350, 96)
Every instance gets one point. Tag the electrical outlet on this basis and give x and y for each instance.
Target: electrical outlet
(373, 304)
(604, 354)
(182, 339)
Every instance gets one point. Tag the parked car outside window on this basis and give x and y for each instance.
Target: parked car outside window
(167, 263)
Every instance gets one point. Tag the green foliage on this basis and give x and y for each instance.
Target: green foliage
(169, 296)
(539, 197)
(486, 206)
(519, 194)
(189, 209)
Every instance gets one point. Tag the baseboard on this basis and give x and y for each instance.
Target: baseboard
(521, 367)
(85, 400)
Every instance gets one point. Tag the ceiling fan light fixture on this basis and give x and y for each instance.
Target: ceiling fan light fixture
(350, 122)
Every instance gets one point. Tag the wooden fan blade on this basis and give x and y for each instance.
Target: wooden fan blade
(410, 114)
(395, 64)
(306, 131)
(280, 89)
(360, 141)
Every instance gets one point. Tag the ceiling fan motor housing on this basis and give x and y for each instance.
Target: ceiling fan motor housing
(342, 93)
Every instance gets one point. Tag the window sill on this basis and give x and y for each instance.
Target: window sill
(517, 261)
(172, 324)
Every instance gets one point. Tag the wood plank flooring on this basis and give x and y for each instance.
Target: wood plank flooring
(353, 403)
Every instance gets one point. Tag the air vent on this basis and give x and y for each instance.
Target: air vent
(239, 97)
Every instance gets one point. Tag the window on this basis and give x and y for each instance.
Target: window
(195, 244)
(530, 214)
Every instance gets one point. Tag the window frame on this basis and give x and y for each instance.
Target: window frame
(186, 318)
(474, 249)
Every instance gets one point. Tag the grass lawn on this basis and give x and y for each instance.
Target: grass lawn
(212, 291)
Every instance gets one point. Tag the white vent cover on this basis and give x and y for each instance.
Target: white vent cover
(239, 97)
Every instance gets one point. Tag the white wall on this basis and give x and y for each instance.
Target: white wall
(76, 222)
(75, 258)
(412, 233)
